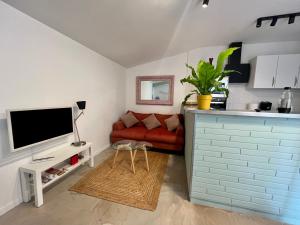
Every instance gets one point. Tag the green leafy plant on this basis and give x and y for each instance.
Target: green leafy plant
(206, 78)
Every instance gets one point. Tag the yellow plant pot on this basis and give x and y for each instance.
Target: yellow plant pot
(204, 102)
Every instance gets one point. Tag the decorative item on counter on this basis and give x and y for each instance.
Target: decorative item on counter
(52, 171)
(45, 179)
(285, 101)
(207, 79)
(80, 156)
(252, 106)
(49, 174)
(265, 106)
(62, 171)
(74, 160)
(43, 159)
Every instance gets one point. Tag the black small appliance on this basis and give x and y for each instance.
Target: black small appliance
(265, 106)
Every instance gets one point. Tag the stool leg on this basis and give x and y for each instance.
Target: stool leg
(116, 155)
(132, 161)
(146, 158)
(134, 153)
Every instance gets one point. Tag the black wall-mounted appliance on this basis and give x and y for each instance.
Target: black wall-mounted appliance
(234, 63)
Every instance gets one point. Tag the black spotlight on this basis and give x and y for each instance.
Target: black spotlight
(258, 23)
(274, 21)
(292, 19)
(205, 3)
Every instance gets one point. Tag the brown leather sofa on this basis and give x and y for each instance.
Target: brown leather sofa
(159, 137)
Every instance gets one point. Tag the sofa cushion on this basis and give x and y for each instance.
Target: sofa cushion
(161, 134)
(133, 133)
(162, 118)
(129, 119)
(151, 122)
(140, 116)
(172, 122)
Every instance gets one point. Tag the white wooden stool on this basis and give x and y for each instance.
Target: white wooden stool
(142, 147)
(125, 147)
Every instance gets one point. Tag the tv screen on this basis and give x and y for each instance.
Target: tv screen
(29, 127)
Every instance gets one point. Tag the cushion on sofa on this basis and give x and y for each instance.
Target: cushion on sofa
(161, 134)
(172, 122)
(133, 133)
(162, 118)
(129, 119)
(151, 122)
(140, 116)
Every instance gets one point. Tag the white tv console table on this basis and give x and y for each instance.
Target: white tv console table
(36, 169)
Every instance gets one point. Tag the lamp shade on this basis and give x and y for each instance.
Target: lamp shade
(81, 105)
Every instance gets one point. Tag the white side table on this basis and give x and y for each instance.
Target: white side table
(35, 170)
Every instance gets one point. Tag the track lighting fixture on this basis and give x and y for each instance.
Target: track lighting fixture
(205, 3)
(274, 21)
(291, 19)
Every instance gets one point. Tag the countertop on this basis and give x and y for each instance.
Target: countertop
(272, 114)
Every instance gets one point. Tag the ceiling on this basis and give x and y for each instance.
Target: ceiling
(133, 32)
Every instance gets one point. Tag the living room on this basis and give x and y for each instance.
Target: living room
(193, 165)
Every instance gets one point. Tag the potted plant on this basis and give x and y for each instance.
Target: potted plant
(207, 79)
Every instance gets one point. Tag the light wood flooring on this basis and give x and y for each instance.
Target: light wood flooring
(62, 207)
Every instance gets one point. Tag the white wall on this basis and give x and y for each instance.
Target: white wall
(167, 66)
(40, 67)
(240, 94)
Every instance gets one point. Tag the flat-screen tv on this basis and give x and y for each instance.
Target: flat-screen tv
(27, 128)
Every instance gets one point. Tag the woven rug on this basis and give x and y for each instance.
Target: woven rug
(120, 185)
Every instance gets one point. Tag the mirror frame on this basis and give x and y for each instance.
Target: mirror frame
(168, 78)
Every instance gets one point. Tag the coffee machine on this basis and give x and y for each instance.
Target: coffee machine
(219, 99)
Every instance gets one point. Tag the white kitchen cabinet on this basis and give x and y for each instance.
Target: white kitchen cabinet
(288, 71)
(275, 71)
(263, 71)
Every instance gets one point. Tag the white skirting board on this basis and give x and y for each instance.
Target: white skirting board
(5, 208)
(99, 150)
(9, 206)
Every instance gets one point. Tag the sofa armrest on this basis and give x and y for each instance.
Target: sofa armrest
(180, 131)
(119, 125)
(180, 135)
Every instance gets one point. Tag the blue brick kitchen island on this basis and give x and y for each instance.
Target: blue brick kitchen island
(244, 161)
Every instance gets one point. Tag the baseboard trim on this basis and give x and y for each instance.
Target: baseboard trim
(283, 219)
(9, 206)
(99, 150)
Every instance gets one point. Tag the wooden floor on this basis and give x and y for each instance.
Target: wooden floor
(62, 207)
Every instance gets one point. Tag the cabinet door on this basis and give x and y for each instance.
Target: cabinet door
(287, 71)
(265, 71)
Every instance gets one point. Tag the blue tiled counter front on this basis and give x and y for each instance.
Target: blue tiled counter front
(245, 163)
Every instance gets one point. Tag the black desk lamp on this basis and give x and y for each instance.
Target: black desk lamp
(81, 106)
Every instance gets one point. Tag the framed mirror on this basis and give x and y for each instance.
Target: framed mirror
(154, 90)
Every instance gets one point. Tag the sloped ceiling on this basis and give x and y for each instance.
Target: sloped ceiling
(132, 32)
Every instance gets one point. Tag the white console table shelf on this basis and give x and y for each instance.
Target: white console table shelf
(36, 169)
